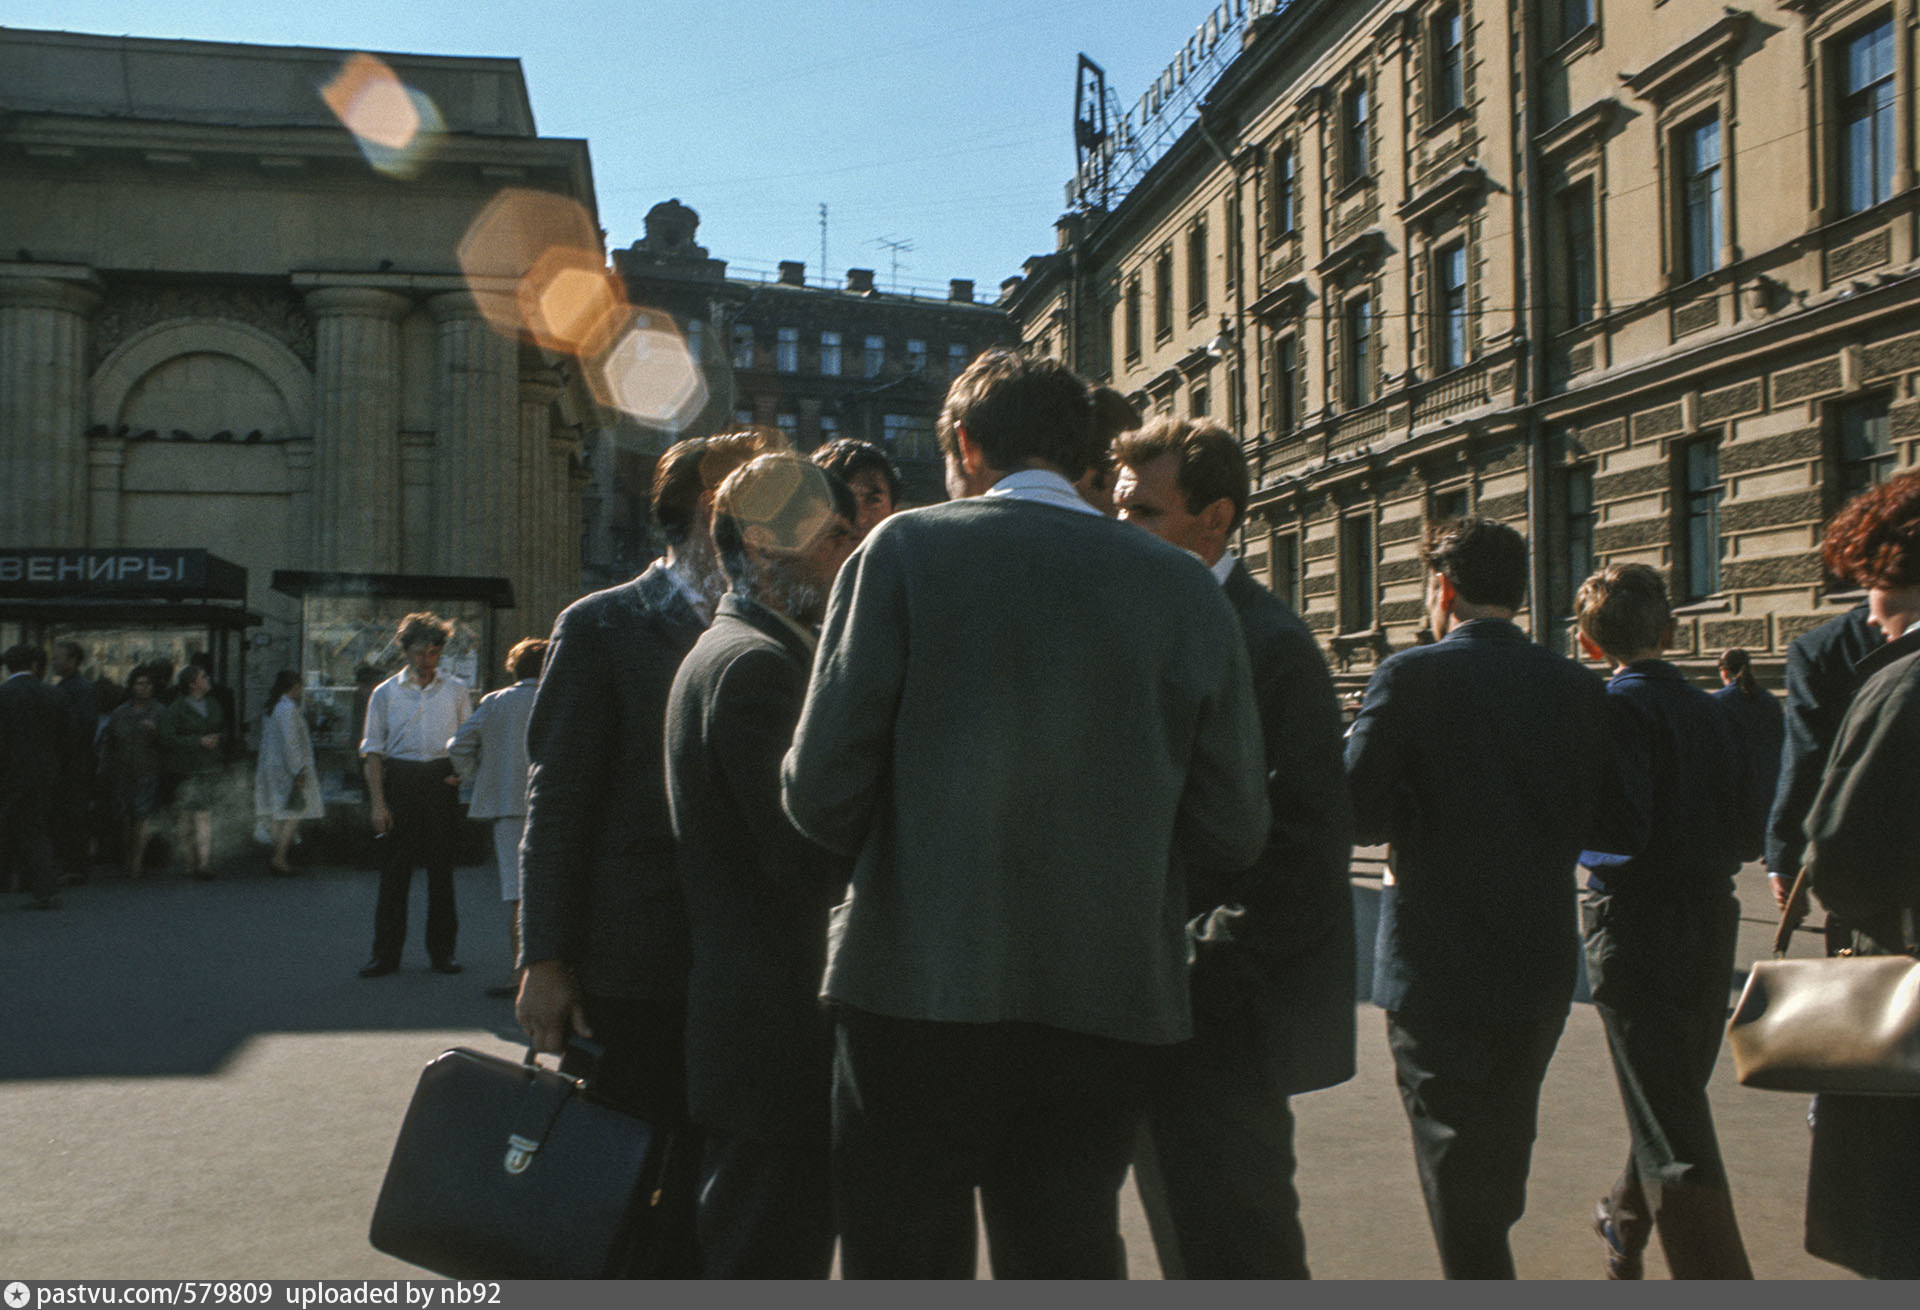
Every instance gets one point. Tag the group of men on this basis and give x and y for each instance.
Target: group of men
(1055, 814)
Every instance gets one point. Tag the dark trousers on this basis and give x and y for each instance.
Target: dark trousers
(765, 1208)
(1472, 1095)
(1660, 966)
(643, 1069)
(426, 823)
(73, 834)
(1041, 1120)
(26, 849)
(1214, 1164)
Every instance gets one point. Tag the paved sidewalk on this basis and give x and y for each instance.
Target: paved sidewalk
(196, 1085)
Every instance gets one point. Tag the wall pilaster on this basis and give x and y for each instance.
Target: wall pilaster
(43, 411)
(355, 516)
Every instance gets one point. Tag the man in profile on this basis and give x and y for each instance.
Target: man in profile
(759, 1046)
(869, 472)
(1480, 758)
(1272, 943)
(1026, 774)
(603, 927)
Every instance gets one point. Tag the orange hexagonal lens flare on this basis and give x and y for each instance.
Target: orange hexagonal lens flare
(533, 262)
(395, 126)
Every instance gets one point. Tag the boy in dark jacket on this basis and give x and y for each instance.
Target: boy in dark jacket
(1661, 920)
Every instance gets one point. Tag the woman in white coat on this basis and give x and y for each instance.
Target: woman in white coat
(491, 750)
(286, 787)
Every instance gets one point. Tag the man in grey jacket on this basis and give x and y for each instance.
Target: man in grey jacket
(1024, 771)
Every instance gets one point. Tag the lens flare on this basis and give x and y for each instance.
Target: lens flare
(522, 240)
(395, 126)
(648, 374)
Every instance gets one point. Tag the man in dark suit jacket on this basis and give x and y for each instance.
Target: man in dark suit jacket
(759, 1047)
(1273, 943)
(1480, 758)
(32, 719)
(1026, 770)
(1822, 675)
(603, 931)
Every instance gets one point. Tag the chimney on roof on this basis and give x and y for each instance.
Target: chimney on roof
(1008, 285)
(960, 290)
(793, 273)
(860, 280)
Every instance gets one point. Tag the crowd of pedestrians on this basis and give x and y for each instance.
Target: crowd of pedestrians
(900, 863)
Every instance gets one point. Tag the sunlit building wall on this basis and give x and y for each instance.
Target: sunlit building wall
(1636, 276)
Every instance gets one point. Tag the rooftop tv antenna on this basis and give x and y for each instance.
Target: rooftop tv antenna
(823, 238)
(894, 247)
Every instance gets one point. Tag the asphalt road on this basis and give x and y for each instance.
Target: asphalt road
(196, 1085)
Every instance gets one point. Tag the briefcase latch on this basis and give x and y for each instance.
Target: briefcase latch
(519, 1153)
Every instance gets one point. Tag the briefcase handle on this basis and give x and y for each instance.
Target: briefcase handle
(592, 1050)
(1793, 914)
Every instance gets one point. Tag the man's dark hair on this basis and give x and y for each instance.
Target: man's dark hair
(1113, 414)
(1211, 465)
(423, 628)
(697, 465)
(1018, 408)
(73, 650)
(22, 657)
(1623, 609)
(1484, 559)
(846, 456)
(527, 657)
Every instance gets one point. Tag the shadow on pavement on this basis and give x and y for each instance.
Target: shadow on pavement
(168, 977)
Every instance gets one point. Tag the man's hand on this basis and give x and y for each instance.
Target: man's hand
(382, 817)
(550, 1005)
(211, 740)
(1781, 885)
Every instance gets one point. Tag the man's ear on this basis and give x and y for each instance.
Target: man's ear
(1666, 636)
(1448, 592)
(1217, 518)
(973, 460)
(1592, 648)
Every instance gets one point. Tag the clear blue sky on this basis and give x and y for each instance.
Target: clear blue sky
(943, 124)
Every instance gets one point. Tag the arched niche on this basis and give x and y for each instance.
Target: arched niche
(248, 377)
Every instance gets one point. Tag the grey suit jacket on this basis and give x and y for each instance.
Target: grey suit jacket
(1025, 767)
(599, 890)
(1274, 962)
(759, 1048)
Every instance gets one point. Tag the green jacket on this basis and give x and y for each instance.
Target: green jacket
(181, 729)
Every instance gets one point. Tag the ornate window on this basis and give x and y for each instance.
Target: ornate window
(1866, 91)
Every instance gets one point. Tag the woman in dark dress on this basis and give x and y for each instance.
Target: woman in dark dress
(1863, 1182)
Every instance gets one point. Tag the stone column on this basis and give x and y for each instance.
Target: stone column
(476, 482)
(356, 429)
(43, 411)
(537, 577)
(107, 466)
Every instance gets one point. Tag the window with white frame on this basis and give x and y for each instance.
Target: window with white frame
(1356, 132)
(1450, 306)
(916, 356)
(1446, 46)
(829, 354)
(1700, 197)
(1357, 324)
(786, 350)
(1867, 101)
(742, 338)
(876, 356)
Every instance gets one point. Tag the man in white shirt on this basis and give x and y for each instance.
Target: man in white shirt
(414, 791)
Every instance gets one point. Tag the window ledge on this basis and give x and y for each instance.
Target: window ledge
(1354, 186)
(1587, 38)
(1711, 605)
(1847, 598)
(1458, 114)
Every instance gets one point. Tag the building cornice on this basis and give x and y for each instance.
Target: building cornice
(1690, 60)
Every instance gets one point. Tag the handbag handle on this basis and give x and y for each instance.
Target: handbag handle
(593, 1050)
(1793, 914)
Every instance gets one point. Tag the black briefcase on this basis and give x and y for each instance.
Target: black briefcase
(510, 1171)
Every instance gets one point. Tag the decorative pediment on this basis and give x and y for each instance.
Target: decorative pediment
(1288, 300)
(1691, 60)
(1578, 130)
(1195, 361)
(1163, 383)
(1366, 248)
(1463, 184)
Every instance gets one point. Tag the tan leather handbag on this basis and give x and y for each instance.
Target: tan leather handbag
(1847, 1024)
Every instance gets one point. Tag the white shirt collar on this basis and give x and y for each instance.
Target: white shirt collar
(1223, 566)
(1043, 487)
(1912, 628)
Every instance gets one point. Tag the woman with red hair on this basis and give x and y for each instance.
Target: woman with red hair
(1863, 834)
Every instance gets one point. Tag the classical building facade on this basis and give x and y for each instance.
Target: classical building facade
(228, 325)
(816, 361)
(1636, 276)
